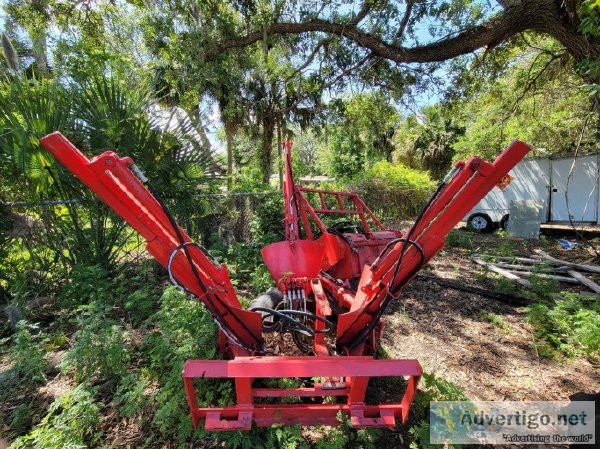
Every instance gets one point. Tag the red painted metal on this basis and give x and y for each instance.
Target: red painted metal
(472, 181)
(353, 372)
(111, 178)
(290, 209)
(323, 269)
(346, 255)
(298, 259)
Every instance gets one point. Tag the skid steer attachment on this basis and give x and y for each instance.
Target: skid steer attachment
(335, 283)
(354, 372)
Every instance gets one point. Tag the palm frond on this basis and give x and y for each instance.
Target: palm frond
(11, 56)
(27, 113)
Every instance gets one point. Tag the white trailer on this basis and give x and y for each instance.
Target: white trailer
(568, 187)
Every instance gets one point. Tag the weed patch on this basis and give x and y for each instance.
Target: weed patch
(87, 284)
(459, 239)
(570, 324)
(28, 356)
(246, 266)
(497, 321)
(100, 350)
(21, 418)
(131, 395)
(71, 422)
(185, 330)
(432, 389)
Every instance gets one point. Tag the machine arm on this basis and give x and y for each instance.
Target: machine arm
(462, 189)
(119, 183)
(290, 206)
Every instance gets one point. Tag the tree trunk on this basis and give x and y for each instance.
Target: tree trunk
(560, 19)
(229, 134)
(279, 154)
(267, 144)
(39, 37)
(40, 52)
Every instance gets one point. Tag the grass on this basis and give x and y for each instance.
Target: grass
(459, 239)
(497, 321)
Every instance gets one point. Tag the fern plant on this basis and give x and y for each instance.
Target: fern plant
(70, 423)
(28, 356)
(100, 350)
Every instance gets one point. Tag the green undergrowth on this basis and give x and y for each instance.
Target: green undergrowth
(565, 323)
(496, 320)
(459, 239)
(100, 350)
(245, 265)
(136, 376)
(72, 421)
(28, 355)
(132, 291)
(432, 388)
(184, 330)
(569, 324)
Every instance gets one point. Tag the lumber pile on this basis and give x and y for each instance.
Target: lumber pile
(542, 265)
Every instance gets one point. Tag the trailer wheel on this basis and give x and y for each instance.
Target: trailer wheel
(504, 221)
(481, 223)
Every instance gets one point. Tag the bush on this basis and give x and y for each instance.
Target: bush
(394, 190)
(87, 284)
(28, 356)
(459, 239)
(21, 418)
(141, 303)
(570, 324)
(131, 289)
(131, 395)
(267, 225)
(71, 420)
(246, 267)
(185, 331)
(100, 350)
(432, 389)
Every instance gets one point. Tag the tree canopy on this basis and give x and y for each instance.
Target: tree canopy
(355, 76)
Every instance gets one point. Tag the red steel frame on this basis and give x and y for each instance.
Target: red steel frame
(315, 266)
(355, 372)
(347, 203)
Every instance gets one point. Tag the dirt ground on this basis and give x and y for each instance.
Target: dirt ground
(444, 329)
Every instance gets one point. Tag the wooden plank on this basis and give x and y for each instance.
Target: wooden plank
(501, 271)
(555, 261)
(566, 279)
(515, 259)
(510, 266)
(585, 281)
